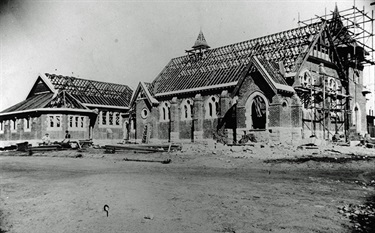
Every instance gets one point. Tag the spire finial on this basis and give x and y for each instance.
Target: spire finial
(199, 48)
(201, 42)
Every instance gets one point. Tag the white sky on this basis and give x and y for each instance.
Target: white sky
(128, 41)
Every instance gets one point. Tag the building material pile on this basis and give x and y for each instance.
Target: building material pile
(166, 161)
(143, 148)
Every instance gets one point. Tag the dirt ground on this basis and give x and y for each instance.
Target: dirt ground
(233, 189)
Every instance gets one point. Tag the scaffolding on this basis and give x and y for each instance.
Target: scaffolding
(347, 43)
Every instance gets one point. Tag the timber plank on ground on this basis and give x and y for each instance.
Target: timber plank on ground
(143, 147)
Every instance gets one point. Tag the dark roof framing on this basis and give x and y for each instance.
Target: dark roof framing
(92, 92)
(225, 64)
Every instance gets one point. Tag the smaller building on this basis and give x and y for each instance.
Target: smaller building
(87, 109)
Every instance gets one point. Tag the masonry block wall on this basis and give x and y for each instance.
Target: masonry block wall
(186, 129)
(284, 114)
(20, 133)
(163, 132)
(335, 123)
(39, 125)
(105, 132)
(161, 120)
(358, 102)
(248, 87)
(321, 128)
(198, 116)
(145, 116)
(274, 111)
(175, 119)
(197, 126)
(201, 127)
(209, 128)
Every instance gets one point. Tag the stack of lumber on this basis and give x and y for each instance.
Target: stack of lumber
(46, 147)
(144, 147)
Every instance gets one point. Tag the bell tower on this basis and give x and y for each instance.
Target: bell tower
(199, 48)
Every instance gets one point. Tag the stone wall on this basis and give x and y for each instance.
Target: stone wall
(283, 113)
(358, 101)
(39, 126)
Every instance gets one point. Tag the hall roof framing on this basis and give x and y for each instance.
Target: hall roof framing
(92, 92)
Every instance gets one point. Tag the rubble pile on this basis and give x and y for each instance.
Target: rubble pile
(362, 216)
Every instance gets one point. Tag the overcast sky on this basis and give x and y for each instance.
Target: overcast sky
(128, 41)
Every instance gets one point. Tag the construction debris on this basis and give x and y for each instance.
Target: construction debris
(143, 148)
(7, 148)
(362, 216)
(166, 161)
(308, 146)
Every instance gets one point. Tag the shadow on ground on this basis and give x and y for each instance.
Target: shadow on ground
(2, 227)
(322, 159)
(363, 218)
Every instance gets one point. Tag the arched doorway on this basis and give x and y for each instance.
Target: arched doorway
(257, 111)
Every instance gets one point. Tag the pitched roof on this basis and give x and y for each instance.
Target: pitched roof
(91, 92)
(145, 89)
(149, 87)
(34, 102)
(224, 65)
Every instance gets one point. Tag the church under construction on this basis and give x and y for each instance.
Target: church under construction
(286, 87)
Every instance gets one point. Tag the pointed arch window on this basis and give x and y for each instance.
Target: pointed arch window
(212, 107)
(164, 111)
(187, 109)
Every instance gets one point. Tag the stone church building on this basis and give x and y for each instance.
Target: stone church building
(286, 87)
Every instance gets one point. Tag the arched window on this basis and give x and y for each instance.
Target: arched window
(164, 111)
(284, 104)
(186, 109)
(212, 107)
(305, 78)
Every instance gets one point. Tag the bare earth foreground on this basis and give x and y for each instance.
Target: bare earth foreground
(199, 191)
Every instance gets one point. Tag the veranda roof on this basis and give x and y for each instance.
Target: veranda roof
(34, 102)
